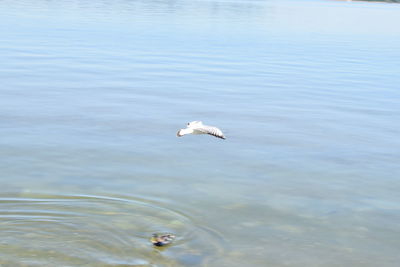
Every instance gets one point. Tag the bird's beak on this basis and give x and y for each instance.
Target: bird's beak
(179, 133)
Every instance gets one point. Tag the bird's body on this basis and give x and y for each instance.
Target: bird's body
(162, 239)
(197, 127)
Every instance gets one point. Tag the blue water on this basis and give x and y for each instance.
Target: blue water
(92, 94)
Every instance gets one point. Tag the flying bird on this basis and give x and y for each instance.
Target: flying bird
(197, 127)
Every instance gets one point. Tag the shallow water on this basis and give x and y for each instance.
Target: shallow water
(93, 93)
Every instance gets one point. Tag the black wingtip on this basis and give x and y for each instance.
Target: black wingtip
(218, 136)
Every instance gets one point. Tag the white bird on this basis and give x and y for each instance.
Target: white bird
(197, 127)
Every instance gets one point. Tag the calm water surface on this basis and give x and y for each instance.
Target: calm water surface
(93, 92)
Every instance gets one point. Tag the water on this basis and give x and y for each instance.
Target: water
(93, 92)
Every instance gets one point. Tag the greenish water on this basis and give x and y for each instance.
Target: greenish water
(92, 94)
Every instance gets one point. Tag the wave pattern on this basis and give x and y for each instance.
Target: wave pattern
(55, 230)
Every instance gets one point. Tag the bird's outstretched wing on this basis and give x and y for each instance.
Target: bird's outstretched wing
(214, 131)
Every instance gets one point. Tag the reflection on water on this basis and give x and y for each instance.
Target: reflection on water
(92, 94)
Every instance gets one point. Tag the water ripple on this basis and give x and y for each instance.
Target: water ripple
(98, 231)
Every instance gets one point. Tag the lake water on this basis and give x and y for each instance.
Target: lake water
(92, 94)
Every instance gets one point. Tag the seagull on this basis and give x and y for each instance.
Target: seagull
(197, 127)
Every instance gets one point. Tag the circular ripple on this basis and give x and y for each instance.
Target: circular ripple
(55, 230)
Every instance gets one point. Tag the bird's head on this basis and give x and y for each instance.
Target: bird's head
(190, 124)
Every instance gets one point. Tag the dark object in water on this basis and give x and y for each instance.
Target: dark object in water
(160, 240)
